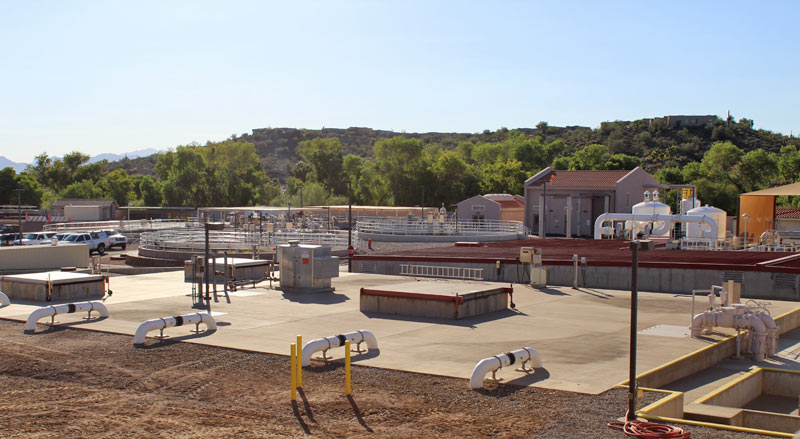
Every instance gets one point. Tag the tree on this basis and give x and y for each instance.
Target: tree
(503, 177)
(118, 186)
(184, 183)
(32, 193)
(8, 182)
(789, 164)
(82, 189)
(301, 170)
(758, 169)
(399, 160)
(324, 154)
(590, 157)
(150, 191)
(720, 160)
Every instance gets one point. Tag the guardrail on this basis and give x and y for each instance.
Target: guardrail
(194, 239)
(404, 226)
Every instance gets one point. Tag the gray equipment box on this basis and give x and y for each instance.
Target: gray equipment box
(306, 268)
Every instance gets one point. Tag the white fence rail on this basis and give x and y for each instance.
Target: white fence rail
(441, 272)
(404, 226)
(193, 239)
(123, 226)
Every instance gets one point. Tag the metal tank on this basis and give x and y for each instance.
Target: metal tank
(694, 231)
(650, 207)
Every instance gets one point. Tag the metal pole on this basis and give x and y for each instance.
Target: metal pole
(422, 215)
(632, 385)
(349, 225)
(19, 213)
(206, 269)
(301, 196)
(544, 211)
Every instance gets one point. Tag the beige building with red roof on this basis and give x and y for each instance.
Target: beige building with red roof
(488, 207)
(576, 198)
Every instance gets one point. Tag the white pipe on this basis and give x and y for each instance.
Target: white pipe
(67, 308)
(758, 323)
(169, 322)
(600, 230)
(492, 364)
(4, 300)
(323, 344)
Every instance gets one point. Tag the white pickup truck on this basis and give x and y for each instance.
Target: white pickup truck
(97, 241)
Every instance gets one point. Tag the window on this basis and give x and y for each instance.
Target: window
(628, 199)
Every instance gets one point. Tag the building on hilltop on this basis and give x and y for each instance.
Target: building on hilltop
(685, 121)
(489, 207)
(587, 193)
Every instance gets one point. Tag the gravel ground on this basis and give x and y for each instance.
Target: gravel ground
(71, 383)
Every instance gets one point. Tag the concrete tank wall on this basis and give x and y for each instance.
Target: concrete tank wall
(43, 257)
(755, 284)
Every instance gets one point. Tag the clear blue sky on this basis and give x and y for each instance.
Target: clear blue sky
(119, 76)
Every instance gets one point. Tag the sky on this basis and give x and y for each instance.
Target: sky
(112, 77)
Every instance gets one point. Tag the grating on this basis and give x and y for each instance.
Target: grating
(785, 280)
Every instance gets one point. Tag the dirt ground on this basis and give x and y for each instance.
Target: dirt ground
(70, 383)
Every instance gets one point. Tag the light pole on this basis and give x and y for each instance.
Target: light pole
(636, 246)
(746, 217)
(301, 196)
(19, 213)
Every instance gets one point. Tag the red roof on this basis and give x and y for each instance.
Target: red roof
(787, 213)
(587, 178)
(506, 201)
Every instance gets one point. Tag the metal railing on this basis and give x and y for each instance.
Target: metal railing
(441, 272)
(194, 238)
(404, 226)
(123, 226)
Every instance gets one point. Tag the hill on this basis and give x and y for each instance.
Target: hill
(659, 142)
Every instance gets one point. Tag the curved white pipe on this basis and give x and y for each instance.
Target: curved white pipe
(4, 300)
(600, 230)
(772, 332)
(759, 323)
(492, 364)
(169, 322)
(67, 308)
(323, 344)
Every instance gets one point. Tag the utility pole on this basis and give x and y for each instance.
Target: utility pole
(19, 213)
(422, 215)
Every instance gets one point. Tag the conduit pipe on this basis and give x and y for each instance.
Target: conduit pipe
(169, 322)
(67, 308)
(759, 323)
(493, 364)
(4, 300)
(323, 344)
(668, 220)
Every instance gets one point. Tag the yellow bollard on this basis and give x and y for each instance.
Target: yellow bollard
(347, 368)
(294, 372)
(299, 361)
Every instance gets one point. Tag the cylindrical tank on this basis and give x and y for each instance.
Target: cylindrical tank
(719, 216)
(688, 204)
(654, 207)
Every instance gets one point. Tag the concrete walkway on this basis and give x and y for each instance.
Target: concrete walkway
(582, 335)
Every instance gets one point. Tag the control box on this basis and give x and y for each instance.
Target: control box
(530, 255)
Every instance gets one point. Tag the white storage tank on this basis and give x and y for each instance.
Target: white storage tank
(693, 230)
(688, 204)
(651, 207)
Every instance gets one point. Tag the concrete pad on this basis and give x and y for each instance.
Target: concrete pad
(581, 335)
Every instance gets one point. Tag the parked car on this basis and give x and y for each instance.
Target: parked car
(61, 236)
(38, 238)
(116, 239)
(95, 242)
(9, 239)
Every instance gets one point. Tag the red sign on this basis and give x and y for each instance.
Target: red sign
(351, 251)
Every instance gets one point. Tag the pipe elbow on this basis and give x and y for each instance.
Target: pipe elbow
(311, 348)
(698, 322)
(30, 324)
(369, 338)
(534, 358)
(481, 369)
(4, 300)
(100, 308)
(210, 322)
(147, 326)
